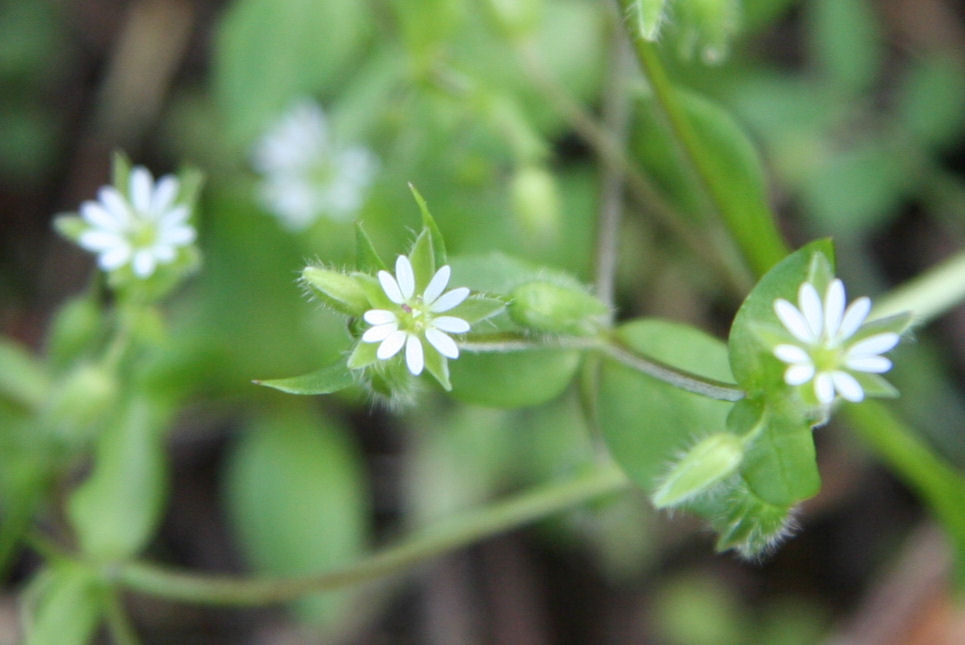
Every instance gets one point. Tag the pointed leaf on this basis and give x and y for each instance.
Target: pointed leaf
(429, 224)
(326, 380)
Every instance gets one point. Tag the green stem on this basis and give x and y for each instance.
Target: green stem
(760, 243)
(423, 545)
(612, 348)
(939, 484)
(928, 295)
(118, 623)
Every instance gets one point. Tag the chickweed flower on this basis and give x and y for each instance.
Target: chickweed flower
(144, 228)
(831, 349)
(417, 317)
(305, 175)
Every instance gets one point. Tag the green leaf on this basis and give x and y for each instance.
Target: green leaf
(23, 379)
(326, 380)
(646, 422)
(477, 308)
(68, 603)
(754, 367)
(422, 258)
(931, 101)
(751, 525)
(115, 511)
(513, 379)
(779, 464)
(367, 259)
(845, 42)
(75, 330)
(731, 160)
(296, 499)
(429, 224)
(269, 52)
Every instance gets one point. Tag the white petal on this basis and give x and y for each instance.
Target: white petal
(379, 317)
(391, 345)
(175, 216)
(810, 303)
(414, 358)
(405, 276)
(379, 333)
(164, 193)
(449, 300)
(451, 324)
(115, 203)
(178, 236)
(141, 185)
(96, 215)
(799, 374)
(847, 386)
(163, 253)
(114, 258)
(873, 364)
(872, 345)
(793, 321)
(792, 354)
(96, 240)
(824, 388)
(437, 285)
(444, 343)
(834, 301)
(144, 263)
(853, 318)
(391, 287)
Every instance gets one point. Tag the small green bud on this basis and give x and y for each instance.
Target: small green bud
(650, 16)
(707, 463)
(536, 201)
(82, 400)
(339, 291)
(75, 329)
(554, 309)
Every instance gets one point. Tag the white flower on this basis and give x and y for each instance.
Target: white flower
(304, 174)
(144, 230)
(827, 351)
(417, 317)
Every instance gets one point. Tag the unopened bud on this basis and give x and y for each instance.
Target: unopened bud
(707, 463)
(650, 15)
(551, 308)
(339, 291)
(536, 201)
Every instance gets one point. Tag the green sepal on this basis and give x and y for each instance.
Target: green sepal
(70, 226)
(650, 17)
(751, 525)
(367, 259)
(438, 366)
(342, 292)
(780, 465)
(423, 261)
(477, 308)
(429, 224)
(875, 385)
(121, 172)
(190, 182)
(898, 324)
(326, 380)
(374, 291)
(363, 355)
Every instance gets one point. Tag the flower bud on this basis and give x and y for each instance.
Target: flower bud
(554, 309)
(339, 291)
(650, 16)
(536, 201)
(707, 463)
(82, 399)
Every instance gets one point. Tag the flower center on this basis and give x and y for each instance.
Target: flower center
(143, 234)
(415, 316)
(826, 359)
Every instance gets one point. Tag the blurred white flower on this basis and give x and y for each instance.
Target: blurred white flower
(305, 175)
(416, 317)
(831, 348)
(144, 229)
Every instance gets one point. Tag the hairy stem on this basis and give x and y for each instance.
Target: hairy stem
(421, 546)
